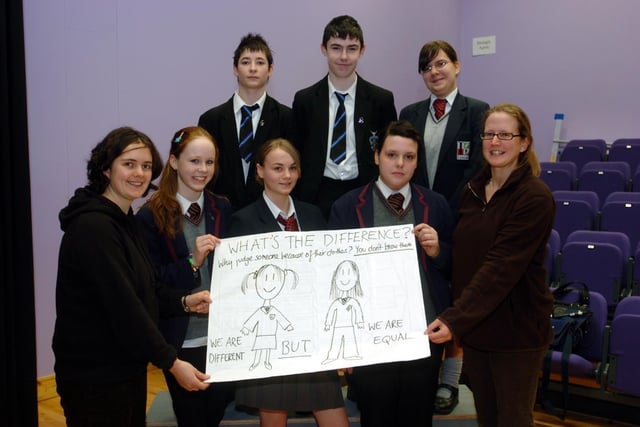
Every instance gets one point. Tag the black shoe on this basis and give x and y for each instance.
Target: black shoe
(444, 406)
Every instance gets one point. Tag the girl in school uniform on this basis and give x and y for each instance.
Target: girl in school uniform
(183, 224)
(278, 170)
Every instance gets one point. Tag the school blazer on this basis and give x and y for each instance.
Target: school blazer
(466, 122)
(169, 257)
(257, 218)
(355, 210)
(276, 121)
(374, 109)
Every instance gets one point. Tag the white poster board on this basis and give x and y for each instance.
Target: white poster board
(296, 302)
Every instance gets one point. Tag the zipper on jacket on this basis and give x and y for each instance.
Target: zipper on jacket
(484, 203)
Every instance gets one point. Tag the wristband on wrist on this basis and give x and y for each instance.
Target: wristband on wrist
(194, 267)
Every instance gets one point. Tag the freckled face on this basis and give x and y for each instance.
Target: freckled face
(195, 167)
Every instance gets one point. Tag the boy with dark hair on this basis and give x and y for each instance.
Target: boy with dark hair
(339, 119)
(245, 122)
(402, 393)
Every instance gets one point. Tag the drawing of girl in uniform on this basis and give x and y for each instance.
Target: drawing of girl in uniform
(268, 281)
(345, 312)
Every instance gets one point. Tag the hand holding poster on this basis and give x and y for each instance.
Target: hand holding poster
(286, 303)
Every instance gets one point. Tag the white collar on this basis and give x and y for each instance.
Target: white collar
(386, 191)
(185, 203)
(238, 102)
(275, 211)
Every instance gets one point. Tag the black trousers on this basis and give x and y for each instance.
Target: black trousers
(199, 408)
(397, 394)
(105, 405)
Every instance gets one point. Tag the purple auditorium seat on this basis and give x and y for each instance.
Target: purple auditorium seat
(620, 213)
(559, 175)
(626, 150)
(623, 364)
(604, 178)
(575, 210)
(600, 260)
(582, 151)
(635, 185)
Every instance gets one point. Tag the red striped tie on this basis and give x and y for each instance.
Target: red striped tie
(396, 201)
(194, 213)
(438, 107)
(290, 224)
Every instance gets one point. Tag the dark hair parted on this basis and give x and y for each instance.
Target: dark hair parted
(253, 43)
(273, 144)
(112, 146)
(430, 50)
(343, 27)
(166, 210)
(524, 129)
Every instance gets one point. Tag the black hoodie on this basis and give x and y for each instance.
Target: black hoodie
(107, 296)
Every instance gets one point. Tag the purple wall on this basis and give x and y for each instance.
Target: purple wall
(156, 65)
(577, 57)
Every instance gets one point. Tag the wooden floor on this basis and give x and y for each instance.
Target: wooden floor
(50, 412)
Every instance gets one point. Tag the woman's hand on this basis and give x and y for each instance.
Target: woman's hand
(188, 376)
(438, 332)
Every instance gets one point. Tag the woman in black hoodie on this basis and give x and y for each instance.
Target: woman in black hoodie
(107, 298)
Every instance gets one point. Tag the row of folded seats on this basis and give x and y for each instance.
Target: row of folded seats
(589, 164)
(609, 354)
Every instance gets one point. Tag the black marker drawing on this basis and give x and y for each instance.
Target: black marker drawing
(268, 281)
(345, 313)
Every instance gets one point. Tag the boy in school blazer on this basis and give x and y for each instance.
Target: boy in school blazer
(369, 109)
(252, 65)
(402, 393)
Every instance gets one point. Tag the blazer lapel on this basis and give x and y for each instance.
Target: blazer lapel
(365, 138)
(321, 107)
(265, 216)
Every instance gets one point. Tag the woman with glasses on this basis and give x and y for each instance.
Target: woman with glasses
(449, 125)
(502, 303)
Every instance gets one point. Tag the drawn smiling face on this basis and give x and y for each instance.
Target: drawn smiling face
(269, 282)
(346, 277)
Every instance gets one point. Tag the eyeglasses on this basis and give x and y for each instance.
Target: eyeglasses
(503, 136)
(439, 65)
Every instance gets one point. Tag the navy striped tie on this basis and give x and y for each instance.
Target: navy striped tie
(246, 132)
(339, 135)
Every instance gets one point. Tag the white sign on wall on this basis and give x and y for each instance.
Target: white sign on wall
(484, 45)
